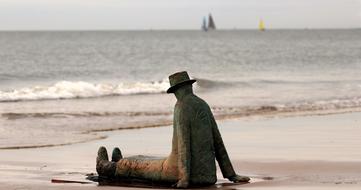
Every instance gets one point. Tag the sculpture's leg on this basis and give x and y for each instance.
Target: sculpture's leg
(141, 167)
(153, 169)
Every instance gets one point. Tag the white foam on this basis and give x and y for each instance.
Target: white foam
(330, 104)
(80, 89)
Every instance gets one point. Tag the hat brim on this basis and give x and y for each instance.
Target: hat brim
(175, 87)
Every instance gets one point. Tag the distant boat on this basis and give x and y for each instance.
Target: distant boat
(204, 24)
(261, 25)
(210, 26)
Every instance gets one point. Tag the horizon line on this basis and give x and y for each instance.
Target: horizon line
(222, 29)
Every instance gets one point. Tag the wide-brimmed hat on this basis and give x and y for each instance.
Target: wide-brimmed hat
(176, 80)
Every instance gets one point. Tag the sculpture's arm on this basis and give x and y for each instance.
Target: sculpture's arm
(221, 153)
(184, 152)
(222, 157)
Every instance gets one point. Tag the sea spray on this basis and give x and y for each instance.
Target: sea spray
(81, 89)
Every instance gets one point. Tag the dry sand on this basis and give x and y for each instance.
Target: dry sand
(312, 152)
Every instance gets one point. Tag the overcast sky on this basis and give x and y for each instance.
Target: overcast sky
(176, 14)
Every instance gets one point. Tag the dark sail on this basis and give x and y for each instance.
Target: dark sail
(211, 25)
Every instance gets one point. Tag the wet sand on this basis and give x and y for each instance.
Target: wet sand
(309, 152)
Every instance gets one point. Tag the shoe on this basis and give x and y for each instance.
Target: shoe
(104, 167)
(116, 155)
(101, 159)
(102, 154)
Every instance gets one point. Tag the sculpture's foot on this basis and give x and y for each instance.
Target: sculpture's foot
(102, 154)
(116, 155)
(104, 167)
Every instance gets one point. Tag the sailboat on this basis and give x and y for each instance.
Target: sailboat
(210, 26)
(261, 25)
(204, 24)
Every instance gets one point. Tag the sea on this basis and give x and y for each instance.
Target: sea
(64, 87)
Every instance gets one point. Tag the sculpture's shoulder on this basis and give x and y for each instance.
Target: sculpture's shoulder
(196, 103)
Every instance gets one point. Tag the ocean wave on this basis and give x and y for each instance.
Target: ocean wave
(329, 106)
(45, 115)
(317, 106)
(81, 89)
(209, 84)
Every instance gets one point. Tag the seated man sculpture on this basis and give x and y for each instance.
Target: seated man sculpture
(196, 144)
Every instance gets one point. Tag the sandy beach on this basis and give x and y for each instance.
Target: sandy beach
(302, 152)
(281, 78)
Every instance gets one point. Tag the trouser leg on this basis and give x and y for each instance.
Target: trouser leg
(143, 167)
(137, 167)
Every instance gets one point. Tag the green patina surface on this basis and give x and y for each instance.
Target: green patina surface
(196, 145)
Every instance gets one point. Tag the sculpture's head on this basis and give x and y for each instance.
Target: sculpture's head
(179, 81)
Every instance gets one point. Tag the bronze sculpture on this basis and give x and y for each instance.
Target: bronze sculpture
(196, 144)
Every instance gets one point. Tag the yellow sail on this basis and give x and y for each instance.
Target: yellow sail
(261, 25)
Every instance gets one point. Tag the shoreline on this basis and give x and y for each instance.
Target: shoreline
(267, 113)
(315, 152)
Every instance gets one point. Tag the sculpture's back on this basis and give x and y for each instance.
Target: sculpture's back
(194, 133)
